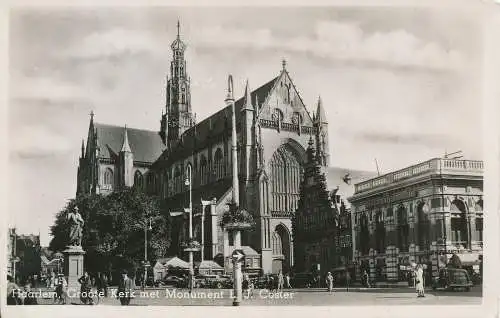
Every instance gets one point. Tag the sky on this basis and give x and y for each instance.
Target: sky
(401, 85)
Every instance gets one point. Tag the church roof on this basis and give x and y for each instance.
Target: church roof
(197, 136)
(335, 176)
(146, 145)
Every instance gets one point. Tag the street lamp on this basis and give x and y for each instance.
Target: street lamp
(146, 264)
(189, 182)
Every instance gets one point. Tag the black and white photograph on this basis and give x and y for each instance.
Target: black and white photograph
(245, 156)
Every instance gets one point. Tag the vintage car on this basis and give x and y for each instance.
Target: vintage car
(213, 281)
(303, 280)
(451, 279)
(175, 281)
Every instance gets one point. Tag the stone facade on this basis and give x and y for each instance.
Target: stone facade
(273, 128)
(424, 213)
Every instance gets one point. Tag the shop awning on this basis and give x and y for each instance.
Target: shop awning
(469, 259)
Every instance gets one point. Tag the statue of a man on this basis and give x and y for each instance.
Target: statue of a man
(75, 227)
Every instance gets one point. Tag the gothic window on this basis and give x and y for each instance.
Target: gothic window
(219, 164)
(138, 179)
(286, 174)
(203, 170)
(297, 119)
(177, 180)
(108, 179)
(459, 223)
(364, 234)
(423, 227)
(380, 232)
(277, 244)
(479, 229)
(403, 230)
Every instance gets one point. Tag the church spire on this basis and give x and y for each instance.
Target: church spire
(320, 112)
(83, 148)
(125, 146)
(248, 98)
(178, 29)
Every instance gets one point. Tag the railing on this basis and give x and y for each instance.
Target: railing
(436, 165)
(266, 123)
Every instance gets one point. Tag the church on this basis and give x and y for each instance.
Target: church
(273, 129)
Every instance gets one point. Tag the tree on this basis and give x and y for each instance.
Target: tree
(113, 234)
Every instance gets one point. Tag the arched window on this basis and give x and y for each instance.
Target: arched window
(108, 179)
(203, 170)
(286, 175)
(138, 179)
(380, 232)
(150, 182)
(277, 244)
(219, 164)
(364, 235)
(459, 224)
(423, 227)
(403, 229)
(177, 180)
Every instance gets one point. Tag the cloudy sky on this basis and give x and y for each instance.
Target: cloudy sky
(400, 85)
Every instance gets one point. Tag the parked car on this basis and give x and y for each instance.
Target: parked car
(451, 279)
(302, 280)
(175, 281)
(263, 282)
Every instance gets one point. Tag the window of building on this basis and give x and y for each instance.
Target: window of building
(459, 224)
(479, 229)
(138, 179)
(423, 228)
(277, 244)
(379, 232)
(219, 164)
(403, 229)
(177, 180)
(203, 170)
(108, 179)
(364, 235)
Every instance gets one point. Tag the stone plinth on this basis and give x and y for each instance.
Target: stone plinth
(73, 266)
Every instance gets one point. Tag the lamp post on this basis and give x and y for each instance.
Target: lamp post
(188, 182)
(146, 264)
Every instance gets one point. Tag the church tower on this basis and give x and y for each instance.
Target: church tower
(321, 124)
(178, 117)
(126, 162)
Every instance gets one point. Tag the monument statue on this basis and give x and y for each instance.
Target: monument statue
(75, 227)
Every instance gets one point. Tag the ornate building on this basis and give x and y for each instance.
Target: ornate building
(322, 223)
(424, 213)
(273, 129)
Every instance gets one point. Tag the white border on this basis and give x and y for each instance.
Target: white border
(485, 11)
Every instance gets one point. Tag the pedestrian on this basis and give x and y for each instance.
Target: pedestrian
(270, 283)
(287, 280)
(251, 287)
(419, 281)
(61, 289)
(12, 292)
(30, 298)
(329, 282)
(52, 279)
(347, 279)
(281, 281)
(85, 288)
(366, 278)
(125, 289)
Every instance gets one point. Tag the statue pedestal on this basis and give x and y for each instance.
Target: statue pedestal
(73, 266)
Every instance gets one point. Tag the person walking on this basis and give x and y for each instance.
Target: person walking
(61, 290)
(287, 281)
(85, 288)
(281, 281)
(30, 298)
(419, 281)
(347, 279)
(329, 282)
(366, 279)
(12, 292)
(125, 289)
